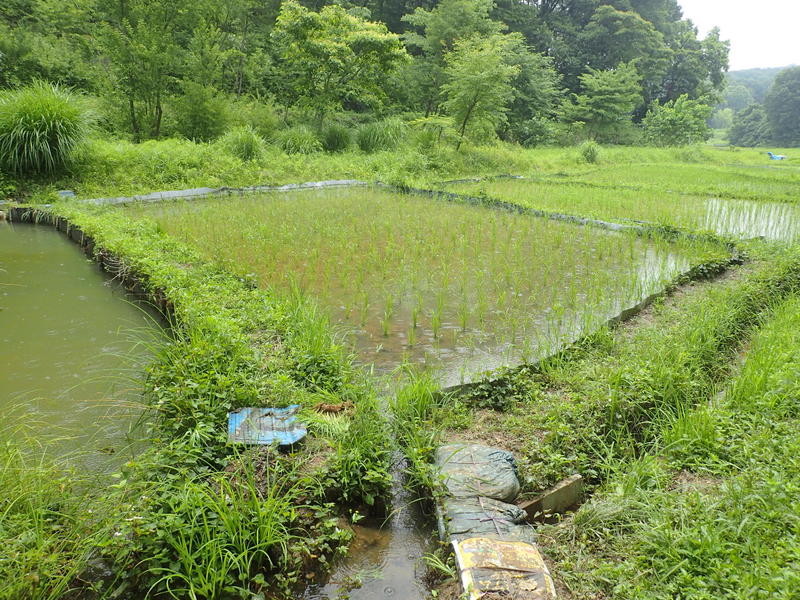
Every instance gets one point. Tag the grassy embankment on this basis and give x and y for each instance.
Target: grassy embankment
(118, 168)
(190, 517)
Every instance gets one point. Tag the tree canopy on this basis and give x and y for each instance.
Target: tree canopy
(172, 67)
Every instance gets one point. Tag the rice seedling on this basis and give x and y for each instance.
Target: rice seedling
(460, 277)
(740, 218)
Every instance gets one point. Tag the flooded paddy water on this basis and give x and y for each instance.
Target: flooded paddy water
(776, 221)
(72, 349)
(462, 289)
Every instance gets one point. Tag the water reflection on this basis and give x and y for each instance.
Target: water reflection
(743, 218)
(72, 347)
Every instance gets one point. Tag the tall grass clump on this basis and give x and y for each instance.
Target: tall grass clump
(336, 138)
(44, 544)
(380, 135)
(243, 142)
(41, 125)
(590, 151)
(299, 140)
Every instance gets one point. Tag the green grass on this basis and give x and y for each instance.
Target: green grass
(737, 218)
(631, 408)
(714, 513)
(763, 182)
(46, 528)
(114, 168)
(41, 126)
(232, 346)
(430, 281)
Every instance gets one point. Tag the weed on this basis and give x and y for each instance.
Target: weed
(41, 126)
(298, 140)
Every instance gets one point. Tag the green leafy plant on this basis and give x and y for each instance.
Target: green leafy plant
(380, 135)
(299, 140)
(590, 151)
(244, 143)
(41, 126)
(336, 138)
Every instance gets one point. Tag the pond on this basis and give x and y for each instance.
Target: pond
(73, 349)
(462, 289)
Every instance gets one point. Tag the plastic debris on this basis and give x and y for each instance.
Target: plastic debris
(265, 426)
(477, 516)
(504, 569)
(475, 470)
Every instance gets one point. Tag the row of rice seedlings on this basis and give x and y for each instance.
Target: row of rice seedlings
(743, 218)
(761, 182)
(414, 277)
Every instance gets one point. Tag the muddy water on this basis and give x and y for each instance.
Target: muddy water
(72, 349)
(385, 558)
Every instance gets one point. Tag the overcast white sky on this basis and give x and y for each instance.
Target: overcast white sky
(763, 33)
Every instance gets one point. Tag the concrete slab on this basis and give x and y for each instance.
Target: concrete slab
(558, 499)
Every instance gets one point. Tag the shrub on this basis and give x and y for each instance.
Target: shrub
(201, 114)
(380, 135)
(243, 142)
(299, 140)
(590, 151)
(40, 127)
(336, 138)
(677, 123)
(257, 115)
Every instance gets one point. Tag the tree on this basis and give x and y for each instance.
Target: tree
(614, 36)
(478, 88)
(782, 105)
(677, 123)
(607, 101)
(697, 67)
(722, 118)
(433, 34)
(738, 97)
(144, 41)
(750, 127)
(537, 93)
(326, 58)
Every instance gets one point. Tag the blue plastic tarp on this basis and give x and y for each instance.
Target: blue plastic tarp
(265, 426)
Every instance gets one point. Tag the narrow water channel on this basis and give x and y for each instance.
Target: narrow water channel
(385, 557)
(72, 349)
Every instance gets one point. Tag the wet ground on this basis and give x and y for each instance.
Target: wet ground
(385, 557)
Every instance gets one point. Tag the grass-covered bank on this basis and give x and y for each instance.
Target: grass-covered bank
(117, 168)
(190, 517)
(712, 512)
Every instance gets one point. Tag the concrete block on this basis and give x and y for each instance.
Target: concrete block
(557, 499)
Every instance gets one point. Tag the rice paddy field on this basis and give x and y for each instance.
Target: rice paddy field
(747, 182)
(463, 289)
(759, 204)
